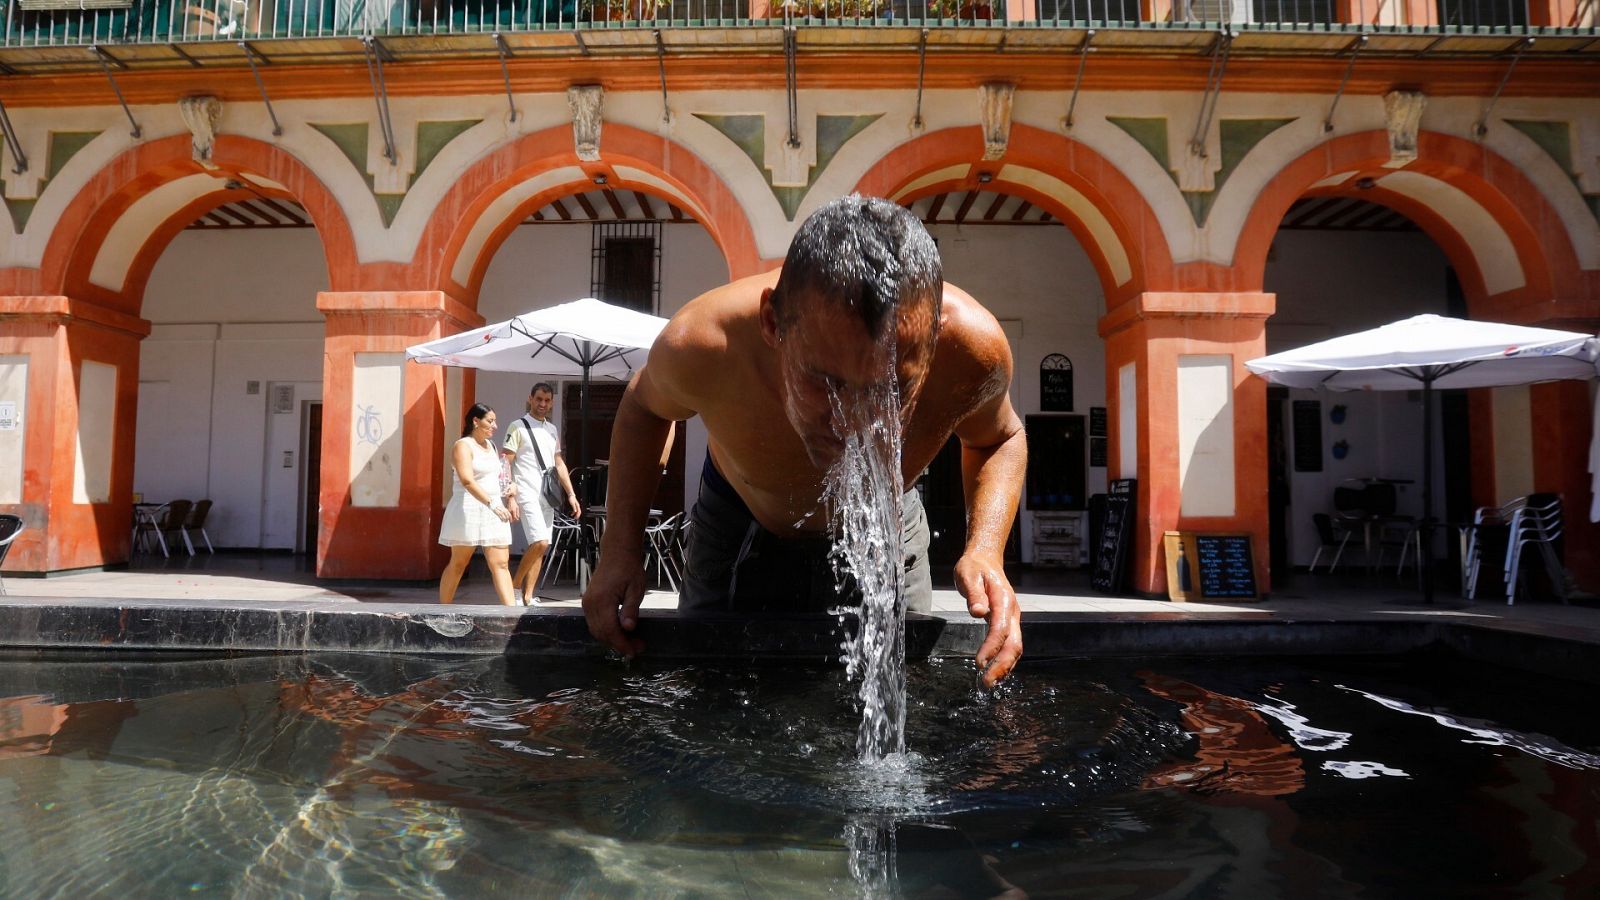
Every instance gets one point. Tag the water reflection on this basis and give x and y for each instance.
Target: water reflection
(392, 776)
(1237, 751)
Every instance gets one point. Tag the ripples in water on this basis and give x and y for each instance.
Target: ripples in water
(394, 776)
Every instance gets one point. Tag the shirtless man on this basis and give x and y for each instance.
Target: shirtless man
(757, 360)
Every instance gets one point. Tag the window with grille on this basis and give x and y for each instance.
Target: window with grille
(626, 267)
(1483, 13)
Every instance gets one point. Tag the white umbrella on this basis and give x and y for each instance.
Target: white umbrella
(584, 338)
(1433, 352)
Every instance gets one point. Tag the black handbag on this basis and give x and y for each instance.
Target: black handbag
(550, 483)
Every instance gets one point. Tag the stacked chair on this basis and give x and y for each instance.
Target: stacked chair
(1502, 538)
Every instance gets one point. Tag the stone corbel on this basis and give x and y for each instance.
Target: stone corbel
(1402, 112)
(586, 101)
(25, 185)
(200, 114)
(994, 110)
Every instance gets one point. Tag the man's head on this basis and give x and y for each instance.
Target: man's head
(862, 276)
(541, 399)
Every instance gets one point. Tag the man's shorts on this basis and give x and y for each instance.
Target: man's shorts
(732, 564)
(538, 520)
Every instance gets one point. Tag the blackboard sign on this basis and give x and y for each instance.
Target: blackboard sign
(1114, 542)
(1097, 421)
(1308, 435)
(1227, 568)
(1055, 383)
(1097, 452)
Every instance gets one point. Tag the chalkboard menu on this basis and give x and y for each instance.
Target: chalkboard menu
(1097, 421)
(1227, 568)
(1114, 542)
(1055, 383)
(1308, 435)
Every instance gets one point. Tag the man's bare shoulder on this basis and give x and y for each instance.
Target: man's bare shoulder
(711, 332)
(970, 338)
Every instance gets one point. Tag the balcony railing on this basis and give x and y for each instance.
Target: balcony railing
(60, 23)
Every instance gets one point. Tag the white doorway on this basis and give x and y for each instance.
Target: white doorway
(283, 463)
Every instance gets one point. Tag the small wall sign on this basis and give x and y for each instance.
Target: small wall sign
(1055, 383)
(8, 416)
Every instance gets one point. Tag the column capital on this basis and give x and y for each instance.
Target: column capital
(1188, 305)
(430, 304)
(61, 309)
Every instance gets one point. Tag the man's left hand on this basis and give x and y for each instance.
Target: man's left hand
(572, 505)
(982, 581)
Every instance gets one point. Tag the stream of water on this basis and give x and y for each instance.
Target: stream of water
(862, 493)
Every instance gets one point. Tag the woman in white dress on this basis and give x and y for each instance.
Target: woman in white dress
(477, 515)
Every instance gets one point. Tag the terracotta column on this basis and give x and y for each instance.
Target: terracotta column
(385, 426)
(69, 388)
(1199, 420)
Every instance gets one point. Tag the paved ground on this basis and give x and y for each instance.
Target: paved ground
(1345, 595)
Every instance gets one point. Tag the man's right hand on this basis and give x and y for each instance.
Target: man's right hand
(611, 604)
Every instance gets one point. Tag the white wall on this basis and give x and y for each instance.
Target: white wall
(251, 275)
(229, 308)
(1331, 283)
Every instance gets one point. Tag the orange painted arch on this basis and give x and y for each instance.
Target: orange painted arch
(89, 217)
(1086, 171)
(1542, 245)
(444, 237)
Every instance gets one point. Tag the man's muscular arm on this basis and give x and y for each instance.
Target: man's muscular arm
(652, 402)
(994, 456)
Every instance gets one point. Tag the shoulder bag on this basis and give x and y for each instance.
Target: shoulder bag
(550, 483)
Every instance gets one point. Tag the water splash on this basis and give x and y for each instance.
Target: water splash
(862, 493)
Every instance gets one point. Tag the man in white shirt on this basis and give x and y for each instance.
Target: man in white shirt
(531, 447)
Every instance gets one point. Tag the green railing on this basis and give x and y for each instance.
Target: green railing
(51, 23)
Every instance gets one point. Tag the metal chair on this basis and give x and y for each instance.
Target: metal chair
(162, 521)
(1535, 525)
(145, 521)
(663, 543)
(1500, 533)
(197, 522)
(10, 527)
(1330, 537)
(567, 540)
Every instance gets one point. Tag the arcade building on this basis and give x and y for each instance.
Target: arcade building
(227, 219)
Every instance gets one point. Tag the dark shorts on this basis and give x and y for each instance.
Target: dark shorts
(732, 564)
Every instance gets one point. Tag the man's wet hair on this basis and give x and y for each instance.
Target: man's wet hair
(542, 386)
(865, 253)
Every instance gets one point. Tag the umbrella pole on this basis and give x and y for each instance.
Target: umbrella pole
(591, 553)
(583, 428)
(1425, 557)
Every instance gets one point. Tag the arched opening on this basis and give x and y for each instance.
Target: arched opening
(1511, 258)
(231, 375)
(222, 264)
(623, 242)
(1345, 260)
(1023, 256)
